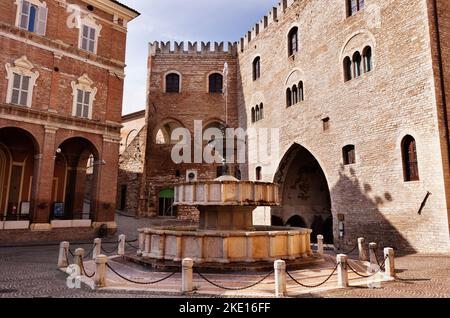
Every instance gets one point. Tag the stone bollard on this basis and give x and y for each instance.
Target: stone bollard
(100, 270)
(97, 248)
(141, 240)
(63, 258)
(121, 248)
(79, 254)
(342, 270)
(372, 254)
(186, 275)
(280, 278)
(147, 245)
(389, 272)
(362, 249)
(320, 244)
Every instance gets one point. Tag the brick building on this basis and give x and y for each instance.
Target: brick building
(131, 161)
(61, 84)
(358, 90)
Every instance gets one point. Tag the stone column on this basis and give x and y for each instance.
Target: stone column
(342, 270)
(280, 278)
(79, 254)
(141, 240)
(97, 248)
(308, 243)
(44, 166)
(105, 183)
(186, 275)
(121, 248)
(100, 271)
(372, 254)
(63, 255)
(147, 244)
(320, 244)
(362, 249)
(389, 272)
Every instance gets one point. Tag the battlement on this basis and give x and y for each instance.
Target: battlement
(273, 16)
(192, 48)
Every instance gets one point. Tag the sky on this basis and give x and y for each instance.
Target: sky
(182, 20)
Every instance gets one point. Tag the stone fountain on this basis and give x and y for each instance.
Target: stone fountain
(226, 234)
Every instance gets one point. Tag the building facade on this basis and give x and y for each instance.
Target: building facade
(61, 78)
(354, 93)
(186, 91)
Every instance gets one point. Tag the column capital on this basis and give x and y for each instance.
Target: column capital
(50, 129)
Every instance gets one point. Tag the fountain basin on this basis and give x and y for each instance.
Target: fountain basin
(264, 244)
(227, 193)
(226, 203)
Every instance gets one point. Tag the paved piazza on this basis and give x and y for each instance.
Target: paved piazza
(32, 272)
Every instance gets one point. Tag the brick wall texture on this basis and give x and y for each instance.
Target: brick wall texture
(405, 94)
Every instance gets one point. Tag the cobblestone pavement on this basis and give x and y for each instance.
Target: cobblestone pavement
(31, 272)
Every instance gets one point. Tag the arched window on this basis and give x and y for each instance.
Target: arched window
(410, 163)
(353, 6)
(253, 115)
(258, 173)
(347, 69)
(261, 111)
(256, 68)
(349, 154)
(301, 94)
(257, 114)
(215, 83)
(294, 95)
(367, 55)
(293, 41)
(357, 64)
(288, 97)
(172, 83)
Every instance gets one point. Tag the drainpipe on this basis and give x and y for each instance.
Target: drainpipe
(441, 75)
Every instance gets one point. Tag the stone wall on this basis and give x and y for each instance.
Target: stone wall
(373, 112)
(131, 167)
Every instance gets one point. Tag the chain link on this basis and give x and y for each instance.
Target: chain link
(352, 250)
(313, 286)
(131, 245)
(107, 251)
(233, 288)
(137, 282)
(83, 270)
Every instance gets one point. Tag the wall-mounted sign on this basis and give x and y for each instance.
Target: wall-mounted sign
(25, 208)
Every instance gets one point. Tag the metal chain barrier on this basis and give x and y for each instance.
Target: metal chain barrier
(378, 262)
(131, 245)
(83, 270)
(380, 268)
(90, 252)
(313, 286)
(137, 282)
(234, 288)
(352, 250)
(108, 251)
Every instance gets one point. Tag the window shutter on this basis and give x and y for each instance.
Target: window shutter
(24, 14)
(41, 21)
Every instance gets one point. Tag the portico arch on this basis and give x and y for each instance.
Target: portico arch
(304, 192)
